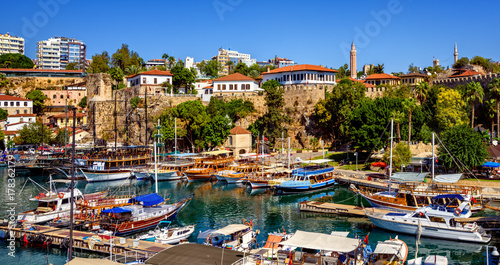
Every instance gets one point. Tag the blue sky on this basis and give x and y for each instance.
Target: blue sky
(393, 32)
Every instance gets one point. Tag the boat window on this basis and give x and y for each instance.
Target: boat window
(437, 219)
(419, 215)
(65, 201)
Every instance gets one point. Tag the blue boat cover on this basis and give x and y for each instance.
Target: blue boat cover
(116, 210)
(148, 199)
(449, 196)
(491, 164)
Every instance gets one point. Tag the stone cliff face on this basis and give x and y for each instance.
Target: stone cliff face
(20, 86)
(131, 123)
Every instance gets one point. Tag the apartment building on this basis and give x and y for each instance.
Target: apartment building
(11, 44)
(56, 53)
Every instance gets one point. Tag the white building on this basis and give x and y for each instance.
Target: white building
(152, 79)
(303, 74)
(155, 63)
(16, 105)
(235, 84)
(11, 44)
(17, 121)
(189, 63)
(56, 53)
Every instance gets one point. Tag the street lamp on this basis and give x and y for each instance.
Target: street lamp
(420, 166)
(356, 155)
(494, 254)
(323, 145)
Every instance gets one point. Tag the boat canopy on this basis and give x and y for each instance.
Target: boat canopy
(448, 178)
(148, 199)
(391, 248)
(317, 161)
(491, 164)
(449, 196)
(117, 210)
(185, 154)
(217, 152)
(231, 229)
(320, 241)
(409, 176)
(253, 155)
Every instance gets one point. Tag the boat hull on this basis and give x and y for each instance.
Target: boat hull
(286, 189)
(161, 176)
(106, 175)
(198, 176)
(443, 232)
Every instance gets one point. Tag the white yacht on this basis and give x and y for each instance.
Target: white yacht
(436, 221)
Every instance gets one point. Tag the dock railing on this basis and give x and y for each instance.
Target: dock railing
(133, 255)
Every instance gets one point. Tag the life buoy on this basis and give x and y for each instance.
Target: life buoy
(458, 211)
(464, 191)
(60, 195)
(86, 203)
(247, 224)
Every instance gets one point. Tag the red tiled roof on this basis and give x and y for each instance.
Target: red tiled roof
(7, 97)
(152, 72)
(381, 76)
(413, 75)
(22, 115)
(356, 80)
(235, 77)
(10, 132)
(157, 60)
(39, 70)
(208, 87)
(70, 115)
(466, 73)
(12, 124)
(239, 130)
(300, 67)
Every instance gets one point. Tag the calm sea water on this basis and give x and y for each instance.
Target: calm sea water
(216, 205)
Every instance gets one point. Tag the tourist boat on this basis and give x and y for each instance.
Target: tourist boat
(236, 173)
(99, 172)
(168, 235)
(429, 260)
(205, 168)
(146, 212)
(233, 236)
(413, 193)
(391, 251)
(269, 177)
(308, 178)
(437, 221)
(164, 173)
(55, 204)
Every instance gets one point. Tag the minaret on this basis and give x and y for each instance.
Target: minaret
(455, 54)
(354, 73)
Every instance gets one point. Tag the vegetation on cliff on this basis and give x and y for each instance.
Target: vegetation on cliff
(15, 60)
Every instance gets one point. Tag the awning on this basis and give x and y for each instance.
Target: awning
(273, 241)
(117, 210)
(320, 241)
(409, 176)
(185, 154)
(491, 164)
(217, 152)
(448, 178)
(230, 229)
(449, 196)
(148, 199)
(390, 247)
(317, 161)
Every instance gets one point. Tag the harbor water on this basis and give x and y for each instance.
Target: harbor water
(216, 205)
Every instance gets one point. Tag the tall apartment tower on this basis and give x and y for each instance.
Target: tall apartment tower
(354, 73)
(455, 54)
(11, 44)
(56, 53)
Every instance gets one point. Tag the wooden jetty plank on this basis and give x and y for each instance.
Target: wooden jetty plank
(334, 208)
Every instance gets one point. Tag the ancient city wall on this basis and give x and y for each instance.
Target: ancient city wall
(20, 86)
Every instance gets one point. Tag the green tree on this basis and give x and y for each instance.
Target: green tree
(241, 68)
(464, 144)
(343, 72)
(450, 109)
(32, 134)
(194, 116)
(15, 60)
(2, 141)
(117, 75)
(495, 92)
(409, 104)
(216, 131)
(124, 57)
(474, 92)
(378, 69)
(422, 91)
(398, 116)
(100, 63)
(210, 68)
(4, 82)
(72, 66)
(38, 98)
(132, 70)
(401, 155)
(412, 68)
(230, 65)
(3, 114)
(60, 137)
(83, 102)
(461, 63)
(183, 77)
(134, 102)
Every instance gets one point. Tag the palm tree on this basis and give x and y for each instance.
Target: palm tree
(409, 104)
(398, 117)
(491, 109)
(474, 91)
(171, 62)
(422, 91)
(229, 65)
(495, 91)
(132, 70)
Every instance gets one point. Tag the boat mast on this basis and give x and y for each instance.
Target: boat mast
(175, 136)
(71, 199)
(156, 164)
(433, 159)
(390, 157)
(288, 152)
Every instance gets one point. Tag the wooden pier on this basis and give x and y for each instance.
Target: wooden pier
(382, 185)
(124, 249)
(334, 208)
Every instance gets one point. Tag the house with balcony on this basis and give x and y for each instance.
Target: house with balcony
(412, 79)
(302, 74)
(59, 120)
(382, 79)
(235, 84)
(150, 81)
(16, 105)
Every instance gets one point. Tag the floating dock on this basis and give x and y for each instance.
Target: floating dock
(334, 208)
(125, 249)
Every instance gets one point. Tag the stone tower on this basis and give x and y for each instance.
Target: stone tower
(455, 54)
(354, 73)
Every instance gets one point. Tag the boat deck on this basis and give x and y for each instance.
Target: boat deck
(334, 208)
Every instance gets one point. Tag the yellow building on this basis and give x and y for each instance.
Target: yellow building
(11, 44)
(412, 79)
(239, 141)
(60, 119)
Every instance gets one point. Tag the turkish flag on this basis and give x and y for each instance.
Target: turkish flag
(366, 239)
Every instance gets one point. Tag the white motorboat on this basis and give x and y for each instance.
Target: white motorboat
(430, 260)
(234, 236)
(168, 235)
(99, 172)
(391, 250)
(436, 221)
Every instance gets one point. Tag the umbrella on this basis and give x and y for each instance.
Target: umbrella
(491, 164)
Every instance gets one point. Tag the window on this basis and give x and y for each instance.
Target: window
(155, 80)
(25, 111)
(12, 104)
(21, 119)
(235, 86)
(248, 87)
(62, 96)
(218, 87)
(29, 119)
(6, 104)
(17, 111)
(25, 104)
(223, 87)
(54, 96)
(231, 87)
(79, 94)
(144, 80)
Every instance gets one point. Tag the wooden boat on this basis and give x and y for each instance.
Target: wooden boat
(236, 173)
(308, 178)
(205, 168)
(147, 212)
(435, 221)
(391, 251)
(269, 177)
